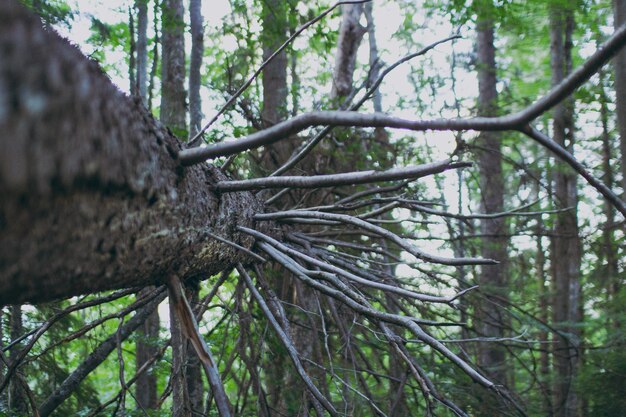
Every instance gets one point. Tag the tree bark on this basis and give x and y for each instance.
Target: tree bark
(566, 251)
(197, 51)
(18, 402)
(91, 177)
(619, 65)
(173, 94)
(492, 279)
(350, 35)
(142, 49)
(146, 349)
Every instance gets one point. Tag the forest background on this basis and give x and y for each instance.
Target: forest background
(543, 333)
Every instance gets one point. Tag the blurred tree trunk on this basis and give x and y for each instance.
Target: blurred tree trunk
(173, 94)
(609, 249)
(142, 50)
(197, 52)
(275, 90)
(565, 256)
(492, 279)
(148, 332)
(18, 402)
(350, 35)
(193, 366)
(147, 347)
(173, 115)
(619, 65)
(132, 56)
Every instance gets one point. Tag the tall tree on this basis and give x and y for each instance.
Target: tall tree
(173, 114)
(492, 278)
(142, 49)
(195, 64)
(619, 65)
(350, 35)
(566, 251)
(148, 332)
(173, 94)
(17, 400)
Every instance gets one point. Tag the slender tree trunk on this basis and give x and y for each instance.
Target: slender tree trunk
(18, 402)
(193, 366)
(566, 243)
(173, 94)
(492, 279)
(350, 36)
(132, 61)
(609, 250)
(619, 65)
(155, 54)
(3, 394)
(197, 52)
(148, 332)
(275, 91)
(142, 49)
(181, 406)
(146, 349)
(173, 114)
(544, 301)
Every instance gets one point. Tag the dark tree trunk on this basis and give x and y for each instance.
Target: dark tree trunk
(18, 402)
(197, 51)
(142, 49)
(173, 94)
(146, 349)
(91, 177)
(565, 244)
(275, 91)
(619, 64)
(609, 249)
(492, 279)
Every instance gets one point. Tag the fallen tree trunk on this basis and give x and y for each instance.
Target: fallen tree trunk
(92, 195)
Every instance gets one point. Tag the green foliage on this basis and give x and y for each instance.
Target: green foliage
(52, 12)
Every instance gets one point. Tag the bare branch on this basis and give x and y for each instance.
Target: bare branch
(350, 178)
(412, 249)
(194, 141)
(285, 339)
(190, 329)
(322, 134)
(407, 322)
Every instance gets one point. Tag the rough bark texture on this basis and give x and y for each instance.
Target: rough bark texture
(350, 36)
(565, 244)
(197, 51)
(492, 279)
(92, 195)
(619, 64)
(173, 94)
